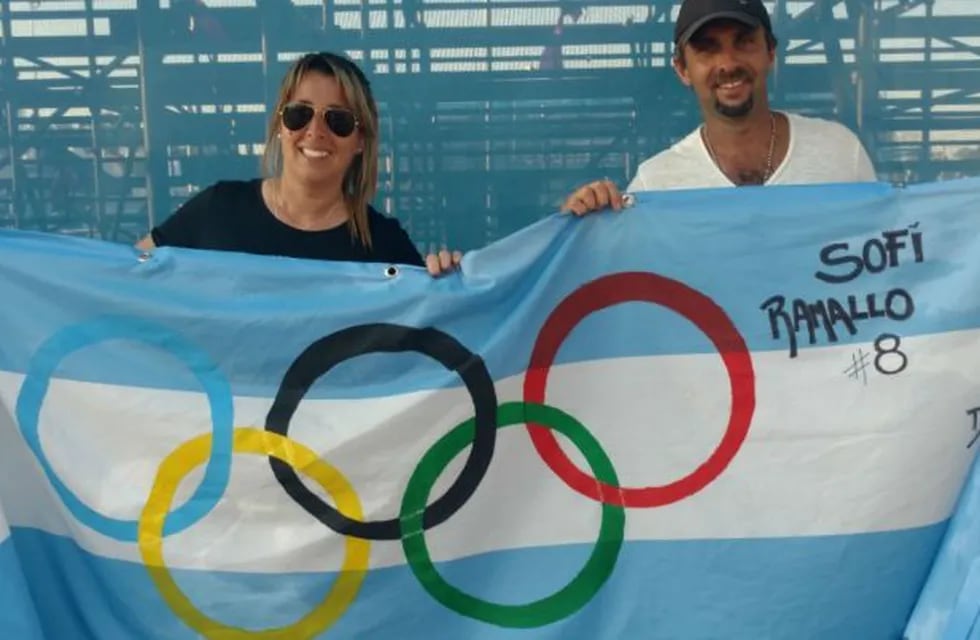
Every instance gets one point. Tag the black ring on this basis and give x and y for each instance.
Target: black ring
(328, 352)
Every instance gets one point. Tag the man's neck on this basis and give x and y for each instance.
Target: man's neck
(729, 136)
(747, 150)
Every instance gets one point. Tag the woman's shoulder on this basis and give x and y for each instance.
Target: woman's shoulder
(229, 199)
(382, 222)
(391, 241)
(224, 192)
(250, 189)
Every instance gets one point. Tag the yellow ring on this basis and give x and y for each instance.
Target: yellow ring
(194, 453)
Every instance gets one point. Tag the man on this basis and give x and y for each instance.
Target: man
(723, 51)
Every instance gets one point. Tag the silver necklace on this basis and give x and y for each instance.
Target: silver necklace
(772, 147)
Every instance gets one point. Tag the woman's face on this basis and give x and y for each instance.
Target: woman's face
(318, 132)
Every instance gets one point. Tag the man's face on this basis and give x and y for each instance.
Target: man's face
(726, 63)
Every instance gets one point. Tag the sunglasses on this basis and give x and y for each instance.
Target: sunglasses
(297, 115)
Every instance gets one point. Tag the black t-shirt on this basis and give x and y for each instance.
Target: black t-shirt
(232, 216)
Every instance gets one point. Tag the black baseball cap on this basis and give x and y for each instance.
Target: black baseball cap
(694, 14)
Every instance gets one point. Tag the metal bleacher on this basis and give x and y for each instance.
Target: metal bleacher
(115, 111)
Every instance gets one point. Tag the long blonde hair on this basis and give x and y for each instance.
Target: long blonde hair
(361, 180)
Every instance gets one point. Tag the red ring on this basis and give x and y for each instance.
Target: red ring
(707, 316)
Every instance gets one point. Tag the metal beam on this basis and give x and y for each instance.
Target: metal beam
(157, 173)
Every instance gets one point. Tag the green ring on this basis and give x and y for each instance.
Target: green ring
(561, 604)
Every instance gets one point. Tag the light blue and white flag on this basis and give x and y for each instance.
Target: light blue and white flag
(734, 414)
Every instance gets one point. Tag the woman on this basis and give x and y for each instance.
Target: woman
(321, 159)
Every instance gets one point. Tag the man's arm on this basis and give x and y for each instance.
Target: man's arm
(864, 169)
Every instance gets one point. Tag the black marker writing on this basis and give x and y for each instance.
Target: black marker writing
(875, 256)
(891, 351)
(831, 315)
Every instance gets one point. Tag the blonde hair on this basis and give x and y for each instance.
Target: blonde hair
(361, 180)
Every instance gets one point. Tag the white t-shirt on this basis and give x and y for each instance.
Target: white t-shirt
(820, 151)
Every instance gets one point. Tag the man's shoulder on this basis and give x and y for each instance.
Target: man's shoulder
(817, 139)
(686, 148)
(674, 166)
(821, 129)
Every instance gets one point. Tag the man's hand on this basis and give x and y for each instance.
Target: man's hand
(594, 196)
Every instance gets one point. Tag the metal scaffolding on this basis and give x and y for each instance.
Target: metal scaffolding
(115, 111)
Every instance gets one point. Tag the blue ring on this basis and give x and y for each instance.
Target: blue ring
(40, 371)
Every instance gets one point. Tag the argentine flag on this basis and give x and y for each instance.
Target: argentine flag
(733, 414)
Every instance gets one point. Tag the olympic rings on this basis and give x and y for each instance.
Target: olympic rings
(193, 453)
(416, 516)
(559, 605)
(326, 353)
(706, 315)
(35, 386)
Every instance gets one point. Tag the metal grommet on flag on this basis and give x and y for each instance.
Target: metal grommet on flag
(326, 353)
(70, 339)
(628, 200)
(564, 602)
(391, 271)
(191, 454)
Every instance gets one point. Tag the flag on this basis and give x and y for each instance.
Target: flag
(723, 413)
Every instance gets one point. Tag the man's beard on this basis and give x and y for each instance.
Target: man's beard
(739, 74)
(734, 110)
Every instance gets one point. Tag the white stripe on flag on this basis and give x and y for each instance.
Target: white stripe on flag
(826, 454)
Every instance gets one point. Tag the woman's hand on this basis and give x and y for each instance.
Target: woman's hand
(443, 262)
